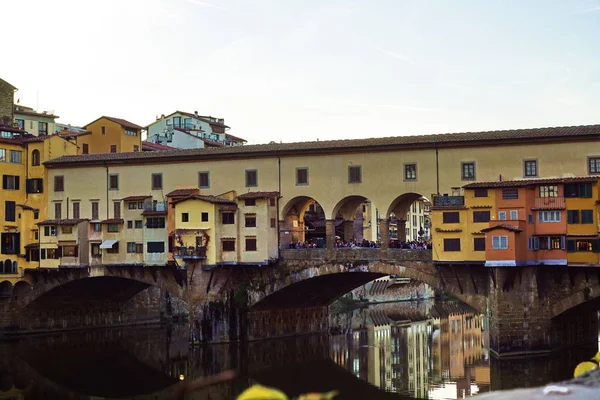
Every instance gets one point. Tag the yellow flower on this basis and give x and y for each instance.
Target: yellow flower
(586, 366)
(259, 392)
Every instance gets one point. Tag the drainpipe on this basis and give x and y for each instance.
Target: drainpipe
(106, 166)
(437, 169)
(278, 196)
(67, 208)
(39, 247)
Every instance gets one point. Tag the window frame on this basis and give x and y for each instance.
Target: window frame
(251, 240)
(463, 176)
(59, 183)
(480, 241)
(497, 242)
(157, 176)
(248, 218)
(528, 162)
(447, 215)
(223, 249)
(413, 174)
(298, 170)
(185, 217)
(248, 173)
(548, 191)
(595, 162)
(110, 177)
(482, 216)
(226, 220)
(447, 244)
(200, 175)
(354, 174)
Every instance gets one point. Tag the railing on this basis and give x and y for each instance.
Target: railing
(189, 252)
(355, 254)
(549, 203)
(159, 206)
(448, 201)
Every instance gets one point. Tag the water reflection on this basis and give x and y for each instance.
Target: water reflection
(429, 349)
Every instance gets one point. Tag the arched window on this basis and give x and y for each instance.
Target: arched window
(14, 267)
(35, 157)
(7, 267)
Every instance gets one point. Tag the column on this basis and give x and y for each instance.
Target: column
(384, 229)
(348, 231)
(330, 233)
(401, 226)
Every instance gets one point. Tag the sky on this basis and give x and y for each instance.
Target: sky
(291, 70)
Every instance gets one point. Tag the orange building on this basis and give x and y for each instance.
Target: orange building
(111, 135)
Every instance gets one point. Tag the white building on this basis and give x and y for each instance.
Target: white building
(35, 123)
(184, 130)
(417, 220)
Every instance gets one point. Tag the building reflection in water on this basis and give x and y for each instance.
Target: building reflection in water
(427, 350)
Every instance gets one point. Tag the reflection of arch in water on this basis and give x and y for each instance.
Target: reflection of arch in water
(5, 289)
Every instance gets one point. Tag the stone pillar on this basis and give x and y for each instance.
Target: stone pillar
(348, 231)
(330, 233)
(401, 226)
(384, 229)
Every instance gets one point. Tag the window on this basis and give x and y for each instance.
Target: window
(117, 209)
(35, 158)
(43, 128)
(113, 148)
(354, 174)
(50, 254)
(481, 216)
(301, 176)
(10, 182)
(534, 243)
(139, 224)
(2, 155)
(549, 216)
(414, 220)
(131, 132)
(227, 218)
(129, 224)
(530, 168)
(97, 227)
(157, 183)
(204, 217)
(94, 210)
(112, 228)
(36, 215)
(67, 229)
(155, 247)
(76, 210)
(177, 122)
(15, 157)
(549, 191)
(530, 218)
(58, 210)
(573, 217)
(95, 249)
(103, 130)
(502, 215)
(510, 194)
(480, 193)
(140, 205)
(20, 123)
(451, 244)
(514, 215)
(249, 202)
(204, 179)
(468, 171)
(185, 217)
(131, 206)
(587, 216)
(574, 190)
(272, 202)
(35, 185)
(10, 243)
(500, 242)
(49, 230)
(85, 148)
(410, 172)
(34, 254)
(273, 223)
(229, 245)
(250, 221)
(136, 248)
(155, 223)
(593, 165)
(583, 245)
(479, 244)
(251, 178)
(59, 183)
(250, 244)
(114, 249)
(69, 251)
(113, 182)
(451, 217)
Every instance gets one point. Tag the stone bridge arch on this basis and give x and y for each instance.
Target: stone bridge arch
(582, 297)
(319, 283)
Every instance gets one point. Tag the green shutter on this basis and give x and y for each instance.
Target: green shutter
(596, 245)
(569, 216)
(570, 245)
(587, 216)
(585, 190)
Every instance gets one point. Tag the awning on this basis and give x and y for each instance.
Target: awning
(108, 244)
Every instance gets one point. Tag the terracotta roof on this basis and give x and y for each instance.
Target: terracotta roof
(591, 132)
(508, 227)
(123, 122)
(62, 221)
(183, 192)
(235, 138)
(448, 230)
(32, 245)
(69, 133)
(136, 198)
(149, 146)
(207, 198)
(530, 182)
(258, 195)
(112, 221)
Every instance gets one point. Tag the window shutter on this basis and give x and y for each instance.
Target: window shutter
(596, 245)
(76, 253)
(570, 245)
(17, 182)
(562, 242)
(43, 254)
(4, 182)
(58, 252)
(570, 217)
(27, 255)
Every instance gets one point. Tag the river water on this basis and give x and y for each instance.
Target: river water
(427, 349)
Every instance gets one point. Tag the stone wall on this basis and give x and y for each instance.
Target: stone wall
(7, 100)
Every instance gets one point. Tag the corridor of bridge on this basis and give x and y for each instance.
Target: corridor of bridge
(353, 219)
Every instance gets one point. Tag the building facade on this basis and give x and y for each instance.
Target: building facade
(33, 122)
(111, 135)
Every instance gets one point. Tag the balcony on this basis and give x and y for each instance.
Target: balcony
(549, 203)
(449, 201)
(158, 208)
(190, 253)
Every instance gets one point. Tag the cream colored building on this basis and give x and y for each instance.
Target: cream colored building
(33, 122)
(415, 220)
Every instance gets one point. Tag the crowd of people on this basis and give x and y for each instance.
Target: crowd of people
(342, 244)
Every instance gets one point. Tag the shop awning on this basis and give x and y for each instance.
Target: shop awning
(108, 244)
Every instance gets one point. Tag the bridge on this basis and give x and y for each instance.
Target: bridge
(531, 309)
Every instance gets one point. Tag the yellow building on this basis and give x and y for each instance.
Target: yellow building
(111, 135)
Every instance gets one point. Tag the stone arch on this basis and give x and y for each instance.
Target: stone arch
(587, 296)
(303, 219)
(400, 207)
(358, 224)
(21, 289)
(5, 289)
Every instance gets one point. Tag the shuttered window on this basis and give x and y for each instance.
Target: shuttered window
(94, 210)
(35, 185)
(203, 179)
(301, 176)
(451, 244)
(587, 216)
(157, 182)
(76, 210)
(510, 194)
(10, 182)
(451, 217)
(251, 178)
(354, 174)
(251, 244)
(481, 216)
(229, 245)
(59, 183)
(479, 244)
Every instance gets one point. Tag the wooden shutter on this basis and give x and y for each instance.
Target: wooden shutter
(571, 246)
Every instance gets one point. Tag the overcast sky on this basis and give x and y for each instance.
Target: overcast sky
(291, 70)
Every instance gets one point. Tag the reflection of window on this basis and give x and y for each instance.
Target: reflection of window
(69, 251)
